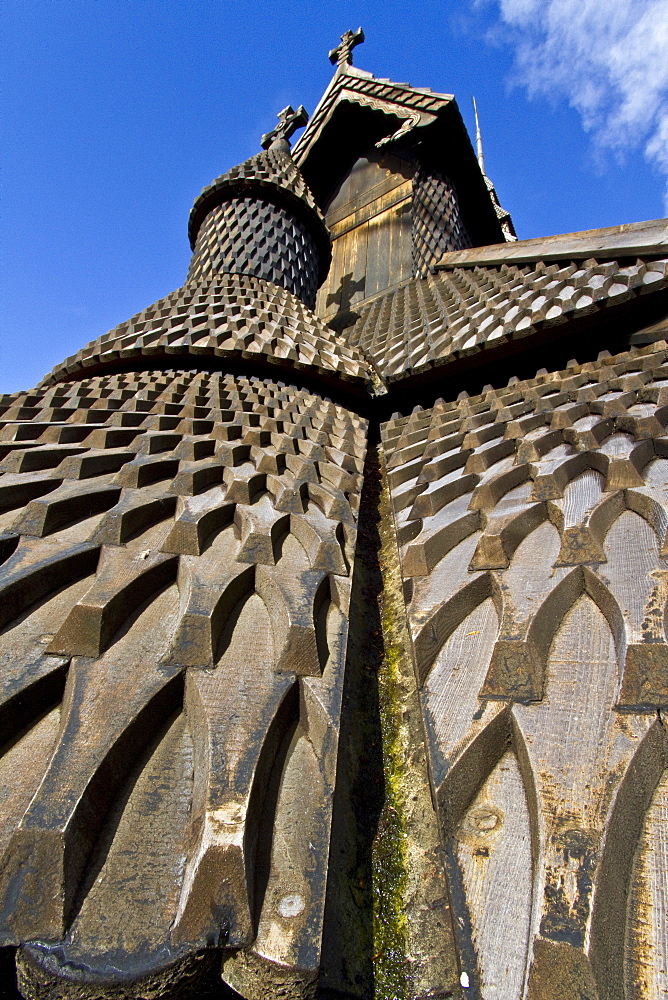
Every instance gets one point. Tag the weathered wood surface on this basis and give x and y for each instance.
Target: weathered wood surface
(370, 222)
(173, 648)
(630, 240)
(223, 316)
(177, 558)
(177, 551)
(453, 314)
(532, 523)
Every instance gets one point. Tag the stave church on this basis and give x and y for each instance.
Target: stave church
(333, 597)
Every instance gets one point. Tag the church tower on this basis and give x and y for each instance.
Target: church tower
(333, 590)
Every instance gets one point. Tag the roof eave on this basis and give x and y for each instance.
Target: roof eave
(636, 239)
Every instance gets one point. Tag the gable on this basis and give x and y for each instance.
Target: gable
(369, 217)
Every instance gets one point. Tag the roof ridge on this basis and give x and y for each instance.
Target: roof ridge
(611, 242)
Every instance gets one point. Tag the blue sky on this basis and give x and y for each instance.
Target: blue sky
(115, 113)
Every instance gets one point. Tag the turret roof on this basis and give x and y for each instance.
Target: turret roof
(271, 174)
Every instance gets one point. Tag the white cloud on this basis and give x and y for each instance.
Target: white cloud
(609, 58)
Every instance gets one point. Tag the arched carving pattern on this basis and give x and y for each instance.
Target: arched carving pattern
(532, 529)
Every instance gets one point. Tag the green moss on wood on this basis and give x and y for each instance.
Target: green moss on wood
(389, 850)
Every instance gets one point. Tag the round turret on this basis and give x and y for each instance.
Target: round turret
(261, 219)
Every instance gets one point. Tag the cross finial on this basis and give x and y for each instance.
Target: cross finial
(342, 55)
(289, 121)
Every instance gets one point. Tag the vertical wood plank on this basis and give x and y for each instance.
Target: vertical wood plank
(581, 494)
(647, 929)
(494, 853)
(452, 688)
(21, 770)
(142, 854)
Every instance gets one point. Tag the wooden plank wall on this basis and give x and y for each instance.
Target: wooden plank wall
(371, 224)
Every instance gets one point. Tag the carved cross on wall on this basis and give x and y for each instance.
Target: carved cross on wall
(342, 55)
(288, 121)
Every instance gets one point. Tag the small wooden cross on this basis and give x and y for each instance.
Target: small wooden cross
(342, 55)
(288, 121)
